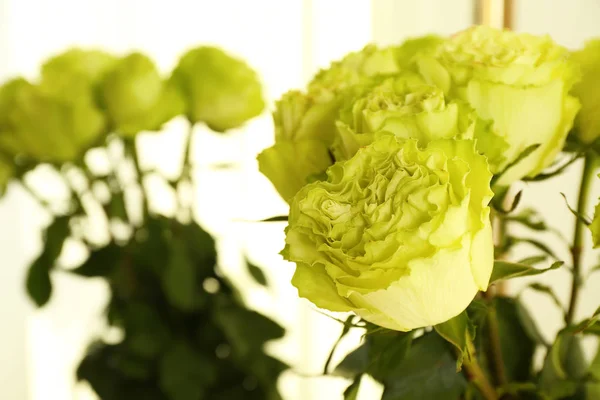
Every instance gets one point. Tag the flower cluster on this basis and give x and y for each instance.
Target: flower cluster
(83, 95)
(387, 161)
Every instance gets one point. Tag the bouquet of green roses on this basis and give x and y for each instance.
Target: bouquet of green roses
(396, 163)
(180, 320)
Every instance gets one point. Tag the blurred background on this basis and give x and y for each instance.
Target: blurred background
(286, 42)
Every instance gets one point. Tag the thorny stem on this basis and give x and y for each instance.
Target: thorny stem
(476, 375)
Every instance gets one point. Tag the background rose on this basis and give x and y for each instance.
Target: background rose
(519, 82)
(47, 124)
(398, 234)
(219, 90)
(588, 91)
(136, 97)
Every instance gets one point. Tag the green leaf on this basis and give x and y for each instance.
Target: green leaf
(184, 373)
(499, 204)
(266, 369)
(147, 333)
(477, 311)
(387, 349)
(520, 157)
(180, 279)
(547, 290)
(507, 270)
(280, 218)
(589, 325)
(427, 372)
(594, 369)
(201, 247)
(533, 260)
(257, 273)
(378, 355)
(236, 322)
(516, 346)
(529, 218)
(593, 270)
(514, 388)
(582, 218)
(528, 324)
(355, 363)
(351, 391)
(38, 283)
(564, 367)
(456, 332)
(116, 207)
(100, 263)
(557, 171)
(537, 244)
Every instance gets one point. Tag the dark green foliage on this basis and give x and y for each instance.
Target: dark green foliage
(187, 335)
(419, 369)
(515, 343)
(508, 270)
(39, 286)
(257, 273)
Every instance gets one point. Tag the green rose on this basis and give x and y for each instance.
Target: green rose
(588, 91)
(6, 173)
(411, 47)
(398, 234)
(137, 98)
(305, 124)
(47, 125)
(304, 129)
(407, 107)
(220, 90)
(59, 72)
(519, 82)
(354, 68)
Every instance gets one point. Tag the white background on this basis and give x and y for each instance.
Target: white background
(286, 41)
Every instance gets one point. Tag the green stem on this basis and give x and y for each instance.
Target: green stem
(132, 149)
(476, 375)
(186, 173)
(577, 248)
(43, 202)
(494, 349)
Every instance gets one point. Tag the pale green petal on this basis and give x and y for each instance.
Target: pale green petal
(434, 73)
(524, 117)
(354, 68)
(289, 165)
(412, 47)
(315, 285)
(302, 117)
(432, 293)
(482, 255)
